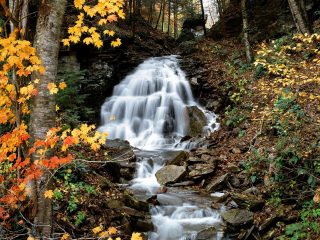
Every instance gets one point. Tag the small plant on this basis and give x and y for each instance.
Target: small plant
(233, 117)
(80, 217)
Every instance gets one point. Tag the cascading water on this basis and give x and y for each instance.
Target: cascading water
(148, 108)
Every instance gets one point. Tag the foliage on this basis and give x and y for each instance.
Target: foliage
(233, 117)
(308, 227)
(92, 14)
(71, 103)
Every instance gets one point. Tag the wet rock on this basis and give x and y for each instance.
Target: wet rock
(219, 197)
(252, 190)
(182, 184)
(248, 201)
(170, 174)
(144, 225)
(132, 202)
(237, 217)
(216, 183)
(197, 121)
(114, 204)
(208, 233)
(234, 181)
(178, 158)
(200, 170)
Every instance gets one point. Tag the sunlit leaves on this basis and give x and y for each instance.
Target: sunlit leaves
(101, 14)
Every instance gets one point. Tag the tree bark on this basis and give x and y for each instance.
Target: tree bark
(175, 18)
(203, 18)
(245, 31)
(158, 20)
(163, 14)
(169, 16)
(299, 15)
(47, 42)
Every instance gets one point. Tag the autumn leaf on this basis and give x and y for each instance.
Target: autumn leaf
(53, 88)
(62, 85)
(136, 236)
(48, 194)
(112, 230)
(96, 230)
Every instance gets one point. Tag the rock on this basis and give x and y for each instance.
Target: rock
(178, 158)
(248, 201)
(216, 183)
(170, 174)
(208, 233)
(252, 190)
(135, 203)
(237, 217)
(182, 184)
(114, 204)
(214, 105)
(194, 81)
(188, 47)
(144, 225)
(234, 181)
(197, 121)
(219, 197)
(200, 170)
(236, 150)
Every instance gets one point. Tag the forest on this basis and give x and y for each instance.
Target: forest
(160, 119)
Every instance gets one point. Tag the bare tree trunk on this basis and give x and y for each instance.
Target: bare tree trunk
(299, 15)
(245, 31)
(47, 42)
(163, 14)
(203, 18)
(158, 20)
(169, 16)
(175, 18)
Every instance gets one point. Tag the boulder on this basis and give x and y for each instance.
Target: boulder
(248, 201)
(170, 174)
(207, 233)
(197, 121)
(237, 217)
(200, 170)
(178, 158)
(217, 182)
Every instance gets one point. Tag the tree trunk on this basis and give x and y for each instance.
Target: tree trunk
(47, 42)
(163, 14)
(175, 18)
(158, 20)
(245, 30)
(203, 18)
(299, 15)
(169, 16)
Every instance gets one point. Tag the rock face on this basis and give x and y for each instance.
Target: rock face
(216, 183)
(170, 174)
(237, 217)
(197, 121)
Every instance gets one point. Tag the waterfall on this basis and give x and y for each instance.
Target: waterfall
(148, 108)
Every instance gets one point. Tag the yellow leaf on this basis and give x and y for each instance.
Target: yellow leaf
(112, 230)
(136, 236)
(48, 194)
(62, 85)
(65, 236)
(52, 88)
(96, 230)
(30, 238)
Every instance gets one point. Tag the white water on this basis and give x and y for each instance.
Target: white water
(148, 108)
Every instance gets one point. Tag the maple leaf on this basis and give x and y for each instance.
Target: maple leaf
(136, 236)
(98, 229)
(62, 85)
(52, 88)
(116, 43)
(65, 236)
(48, 194)
(112, 230)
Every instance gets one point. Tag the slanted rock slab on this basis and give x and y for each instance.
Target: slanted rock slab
(170, 174)
(237, 217)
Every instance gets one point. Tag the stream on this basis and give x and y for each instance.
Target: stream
(149, 109)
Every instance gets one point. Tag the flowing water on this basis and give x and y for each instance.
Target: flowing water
(148, 108)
